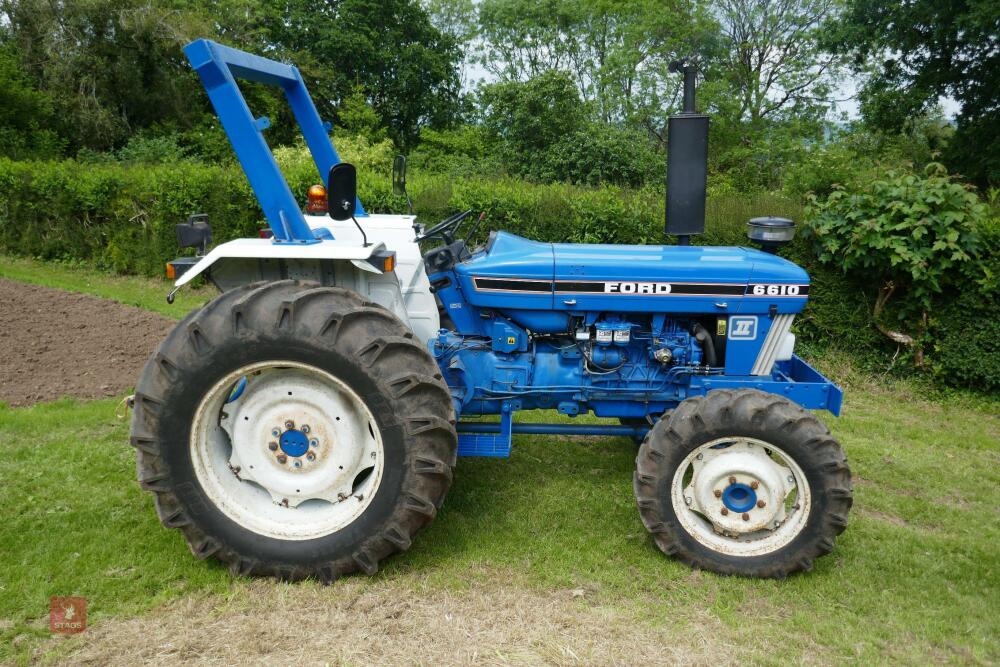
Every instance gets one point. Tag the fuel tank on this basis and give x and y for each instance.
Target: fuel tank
(514, 273)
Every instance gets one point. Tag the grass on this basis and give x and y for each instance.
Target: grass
(915, 576)
(914, 579)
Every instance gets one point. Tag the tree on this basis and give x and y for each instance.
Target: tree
(616, 50)
(113, 68)
(523, 120)
(26, 114)
(773, 63)
(541, 129)
(110, 67)
(405, 66)
(457, 19)
(921, 50)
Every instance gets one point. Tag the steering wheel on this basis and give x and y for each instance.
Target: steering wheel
(446, 228)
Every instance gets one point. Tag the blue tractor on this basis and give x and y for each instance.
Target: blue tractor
(307, 421)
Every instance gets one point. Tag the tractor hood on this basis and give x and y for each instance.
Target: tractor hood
(514, 272)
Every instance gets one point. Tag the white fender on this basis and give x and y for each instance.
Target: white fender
(266, 249)
(404, 291)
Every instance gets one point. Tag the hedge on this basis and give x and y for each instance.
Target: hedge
(121, 218)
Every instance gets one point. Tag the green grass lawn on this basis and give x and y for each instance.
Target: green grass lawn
(913, 579)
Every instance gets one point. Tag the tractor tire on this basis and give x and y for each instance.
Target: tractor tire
(743, 483)
(328, 344)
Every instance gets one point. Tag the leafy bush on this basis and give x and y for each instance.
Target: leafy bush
(460, 151)
(603, 153)
(145, 148)
(541, 129)
(965, 332)
(27, 116)
(525, 119)
(908, 234)
(821, 170)
(965, 327)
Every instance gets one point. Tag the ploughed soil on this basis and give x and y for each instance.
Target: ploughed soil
(57, 344)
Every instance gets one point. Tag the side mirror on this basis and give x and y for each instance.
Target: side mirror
(399, 175)
(342, 191)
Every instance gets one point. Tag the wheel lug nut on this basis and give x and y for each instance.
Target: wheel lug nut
(273, 446)
(746, 517)
(310, 456)
(289, 424)
(760, 503)
(304, 428)
(718, 493)
(282, 458)
(724, 511)
(754, 484)
(297, 463)
(276, 432)
(314, 442)
(732, 480)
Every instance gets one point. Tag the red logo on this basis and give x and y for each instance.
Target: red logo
(67, 615)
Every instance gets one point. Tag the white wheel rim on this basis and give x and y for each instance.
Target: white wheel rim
(741, 496)
(286, 458)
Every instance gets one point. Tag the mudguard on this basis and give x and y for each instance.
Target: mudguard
(367, 258)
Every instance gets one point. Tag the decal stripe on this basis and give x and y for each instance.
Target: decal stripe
(513, 285)
(675, 289)
(533, 286)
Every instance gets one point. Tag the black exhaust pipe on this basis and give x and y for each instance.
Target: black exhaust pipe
(687, 163)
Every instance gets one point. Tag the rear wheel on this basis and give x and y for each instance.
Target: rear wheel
(743, 482)
(294, 430)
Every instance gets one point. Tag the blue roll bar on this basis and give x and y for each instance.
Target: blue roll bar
(219, 66)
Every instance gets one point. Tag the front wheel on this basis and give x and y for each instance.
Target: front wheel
(295, 431)
(743, 482)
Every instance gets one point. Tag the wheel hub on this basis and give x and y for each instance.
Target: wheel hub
(282, 429)
(739, 488)
(294, 442)
(739, 498)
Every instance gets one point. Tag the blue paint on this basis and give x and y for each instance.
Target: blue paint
(739, 498)
(490, 440)
(557, 429)
(294, 442)
(218, 67)
(238, 390)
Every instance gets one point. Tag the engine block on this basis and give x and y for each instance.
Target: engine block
(614, 366)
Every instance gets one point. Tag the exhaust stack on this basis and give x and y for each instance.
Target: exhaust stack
(687, 163)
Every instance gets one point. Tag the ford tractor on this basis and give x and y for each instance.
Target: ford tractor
(306, 423)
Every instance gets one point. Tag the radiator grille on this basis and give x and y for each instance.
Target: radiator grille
(765, 358)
